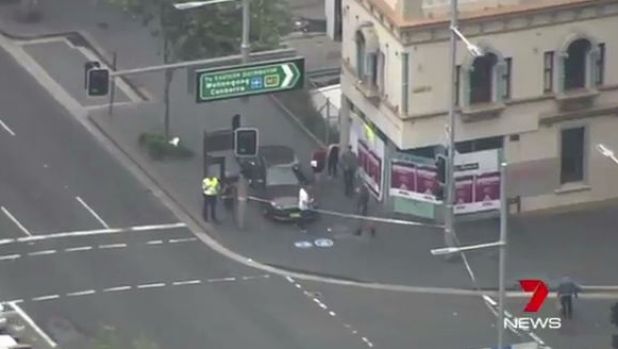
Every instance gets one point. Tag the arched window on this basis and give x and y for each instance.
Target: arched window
(360, 53)
(576, 64)
(482, 79)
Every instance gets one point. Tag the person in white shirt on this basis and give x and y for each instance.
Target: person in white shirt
(304, 204)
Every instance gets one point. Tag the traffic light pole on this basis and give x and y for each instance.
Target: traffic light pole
(449, 216)
(245, 50)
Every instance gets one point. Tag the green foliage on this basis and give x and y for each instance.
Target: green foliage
(210, 31)
(159, 148)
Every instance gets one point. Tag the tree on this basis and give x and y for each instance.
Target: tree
(212, 31)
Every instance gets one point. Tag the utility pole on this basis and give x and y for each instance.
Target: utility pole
(503, 240)
(449, 216)
(245, 51)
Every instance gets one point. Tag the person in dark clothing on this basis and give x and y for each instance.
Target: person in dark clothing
(566, 290)
(318, 162)
(333, 160)
(350, 164)
(362, 208)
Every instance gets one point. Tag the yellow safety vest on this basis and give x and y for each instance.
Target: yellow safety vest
(210, 186)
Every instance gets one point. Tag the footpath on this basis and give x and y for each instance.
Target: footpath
(547, 246)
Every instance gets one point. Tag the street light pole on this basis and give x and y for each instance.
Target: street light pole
(245, 50)
(502, 261)
(449, 224)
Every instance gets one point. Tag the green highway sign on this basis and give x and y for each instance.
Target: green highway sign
(251, 79)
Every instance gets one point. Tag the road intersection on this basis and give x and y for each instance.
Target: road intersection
(85, 246)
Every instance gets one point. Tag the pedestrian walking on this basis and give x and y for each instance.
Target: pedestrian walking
(304, 205)
(318, 162)
(566, 290)
(350, 164)
(210, 191)
(362, 208)
(333, 160)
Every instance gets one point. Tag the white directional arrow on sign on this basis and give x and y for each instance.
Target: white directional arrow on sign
(289, 75)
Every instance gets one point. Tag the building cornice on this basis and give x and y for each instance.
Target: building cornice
(508, 103)
(503, 19)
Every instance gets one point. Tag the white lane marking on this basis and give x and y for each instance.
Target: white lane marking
(81, 293)
(7, 128)
(311, 296)
(9, 257)
(264, 276)
(188, 282)
(46, 298)
(489, 300)
(154, 242)
(117, 288)
(76, 249)
(42, 253)
(369, 344)
(160, 284)
(221, 279)
(92, 212)
(17, 223)
(91, 232)
(173, 241)
(32, 324)
(112, 246)
(158, 226)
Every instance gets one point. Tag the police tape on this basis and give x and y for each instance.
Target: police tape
(355, 216)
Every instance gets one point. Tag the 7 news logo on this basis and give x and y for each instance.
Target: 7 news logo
(540, 291)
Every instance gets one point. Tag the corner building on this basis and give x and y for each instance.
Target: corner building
(544, 94)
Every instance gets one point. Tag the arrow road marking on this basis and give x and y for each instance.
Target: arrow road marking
(288, 75)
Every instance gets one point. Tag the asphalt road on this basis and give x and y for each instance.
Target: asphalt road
(159, 283)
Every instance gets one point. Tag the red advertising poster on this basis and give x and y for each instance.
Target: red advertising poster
(426, 183)
(463, 190)
(403, 177)
(371, 165)
(487, 187)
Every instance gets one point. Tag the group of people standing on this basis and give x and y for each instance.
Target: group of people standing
(331, 158)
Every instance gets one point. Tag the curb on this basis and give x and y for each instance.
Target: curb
(91, 44)
(148, 173)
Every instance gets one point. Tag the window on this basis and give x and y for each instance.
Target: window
(575, 64)
(506, 77)
(380, 72)
(360, 55)
(600, 65)
(548, 72)
(457, 83)
(479, 144)
(572, 155)
(481, 79)
(405, 82)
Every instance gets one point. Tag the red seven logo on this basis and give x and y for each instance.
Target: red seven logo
(540, 292)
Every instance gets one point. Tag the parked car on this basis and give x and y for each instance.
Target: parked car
(276, 176)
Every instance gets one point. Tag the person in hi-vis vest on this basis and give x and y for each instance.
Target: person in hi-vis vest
(210, 190)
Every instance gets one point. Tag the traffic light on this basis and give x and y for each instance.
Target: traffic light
(235, 122)
(246, 141)
(441, 169)
(98, 82)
